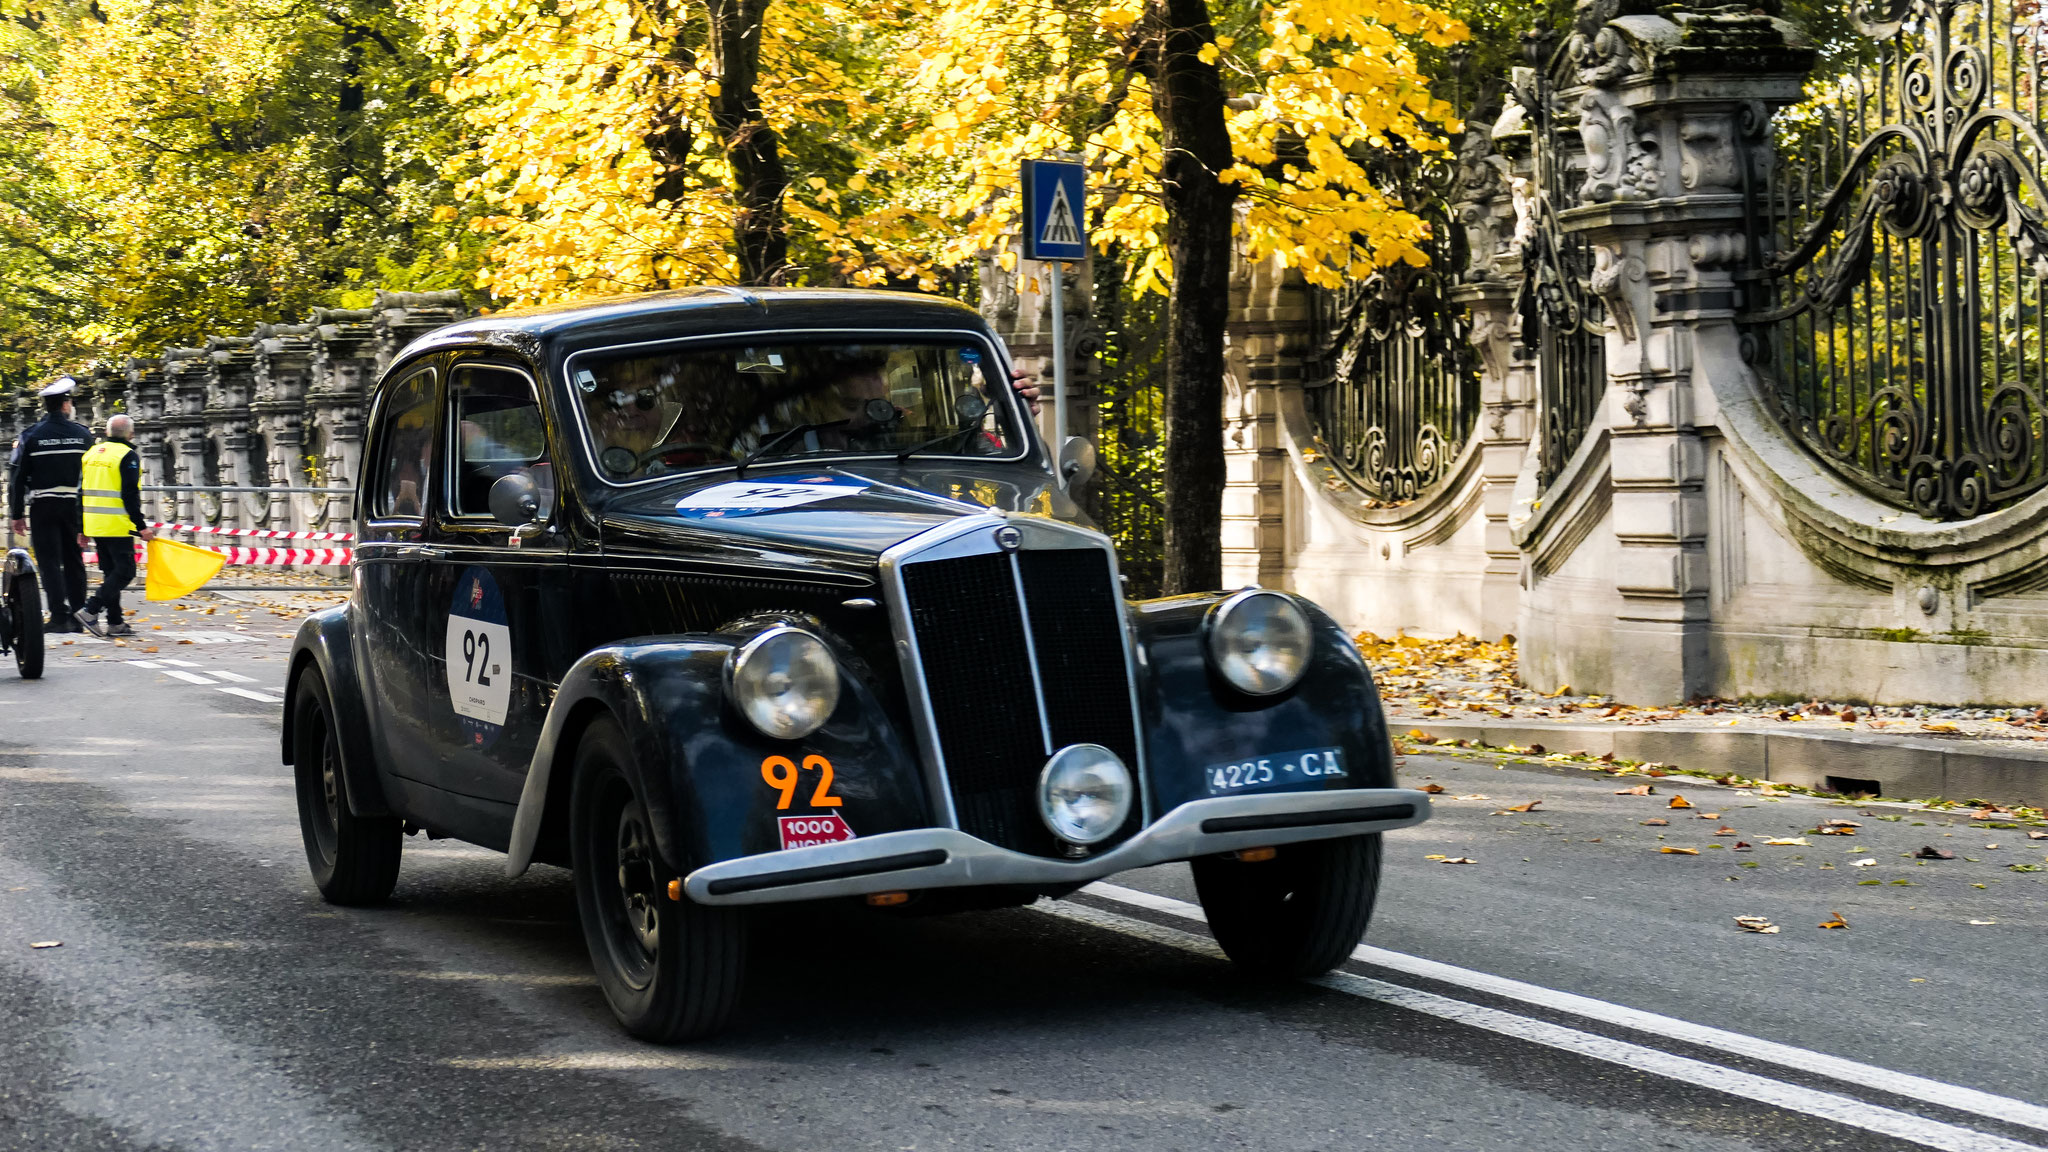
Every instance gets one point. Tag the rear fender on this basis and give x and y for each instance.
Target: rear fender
(323, 644)
(1194, 719)
(700, 764)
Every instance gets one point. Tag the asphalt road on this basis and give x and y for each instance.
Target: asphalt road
(1574, 988)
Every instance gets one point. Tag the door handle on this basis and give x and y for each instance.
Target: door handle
(430, 552)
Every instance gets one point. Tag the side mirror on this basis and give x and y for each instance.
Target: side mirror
(1077, 461)
(515, 500)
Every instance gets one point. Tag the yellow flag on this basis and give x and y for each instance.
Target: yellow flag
(179, 569)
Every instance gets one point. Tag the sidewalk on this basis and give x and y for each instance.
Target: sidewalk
(1463, 689)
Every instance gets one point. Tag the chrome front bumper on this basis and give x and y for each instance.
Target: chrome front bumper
(948, 858)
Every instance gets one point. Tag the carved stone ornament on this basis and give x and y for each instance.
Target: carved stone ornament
(1612, 275)
(1620, 163)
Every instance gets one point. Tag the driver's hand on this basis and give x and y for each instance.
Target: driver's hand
(1021, 381)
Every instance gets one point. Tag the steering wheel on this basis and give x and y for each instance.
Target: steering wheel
(671, 449)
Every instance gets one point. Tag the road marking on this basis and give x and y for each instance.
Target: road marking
(1935, 1092)
(149, 664)
(179, 663)
(189, 677)
(1791, 1097)
(246, 694)
(235, 677)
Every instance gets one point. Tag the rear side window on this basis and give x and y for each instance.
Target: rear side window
(407, 436)
(497, 431)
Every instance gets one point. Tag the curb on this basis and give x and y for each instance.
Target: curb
(1897, 766)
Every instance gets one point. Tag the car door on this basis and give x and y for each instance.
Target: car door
(495, 595)
(391, 569)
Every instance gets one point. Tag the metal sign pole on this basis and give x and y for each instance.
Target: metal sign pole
(1059, 365)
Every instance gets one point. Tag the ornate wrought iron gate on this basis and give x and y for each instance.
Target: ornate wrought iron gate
(1900, 331)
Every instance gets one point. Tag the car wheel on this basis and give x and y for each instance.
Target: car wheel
(671, 969)
(1299, 913)
(27, 610)
(354, 858)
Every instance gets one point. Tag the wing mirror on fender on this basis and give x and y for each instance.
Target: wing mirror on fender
(1077, 461)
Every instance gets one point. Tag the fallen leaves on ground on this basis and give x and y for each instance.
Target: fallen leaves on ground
(2033, 835)
(1755, 924)
(1930, 852)
(1432, 789)
(1655, 822)
(1679, 802)
(1982, 923)
(1866, 862)
(1741, 845)
(46, 944)
(1668, 850)
(1838, 827)
(1443, 859)
(1708, 816)
(1724, 830)
(1638, 790)
(1529, 807)
(1834, 920)
(1473, 796)
(1789, 841)
(1939, 726)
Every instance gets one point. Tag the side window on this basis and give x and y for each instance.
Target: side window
(497, 431)
(407, 439)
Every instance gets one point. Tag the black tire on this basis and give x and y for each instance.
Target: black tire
(672, 969)
(354, 858)
(27, 610)
(1297, 914)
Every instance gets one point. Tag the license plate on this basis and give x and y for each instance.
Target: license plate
(1305, 766)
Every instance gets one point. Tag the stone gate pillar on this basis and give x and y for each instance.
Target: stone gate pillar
(110, 387)
(344, 366)
(402, 317)
(1673, 111)
(284, 364)
(185, 426)
(1265, 345)
(1017, 303)
(146, 404)
(230, 385)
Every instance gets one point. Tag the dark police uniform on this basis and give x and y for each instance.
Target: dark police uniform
(43, 482)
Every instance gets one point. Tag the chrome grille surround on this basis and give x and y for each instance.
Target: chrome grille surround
(975, 536)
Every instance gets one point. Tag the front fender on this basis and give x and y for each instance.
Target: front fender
(323, 643)
(700, 763)
(1194, 719)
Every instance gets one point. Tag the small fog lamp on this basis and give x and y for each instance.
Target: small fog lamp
(1084, 793)
(784, 682)
(1260, 641)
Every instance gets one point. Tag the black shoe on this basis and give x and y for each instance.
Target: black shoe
(120, 630)
(57, 624)
(89, 619)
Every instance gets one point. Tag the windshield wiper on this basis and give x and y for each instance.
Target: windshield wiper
(768, 445)
(905, 455)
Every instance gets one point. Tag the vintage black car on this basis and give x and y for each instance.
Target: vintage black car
(725, 597)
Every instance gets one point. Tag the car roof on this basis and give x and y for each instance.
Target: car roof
(700, 311)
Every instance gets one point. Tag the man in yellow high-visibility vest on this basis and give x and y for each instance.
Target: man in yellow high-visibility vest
(110, 490)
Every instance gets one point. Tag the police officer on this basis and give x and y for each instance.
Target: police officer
(43, 486)
(110, 493)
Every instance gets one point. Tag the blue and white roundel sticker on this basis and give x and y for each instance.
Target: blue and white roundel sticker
(479, 656)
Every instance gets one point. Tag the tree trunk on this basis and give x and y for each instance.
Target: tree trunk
(1187, 95)
(751, 147)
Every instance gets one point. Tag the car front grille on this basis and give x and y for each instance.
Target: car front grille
(976, 647)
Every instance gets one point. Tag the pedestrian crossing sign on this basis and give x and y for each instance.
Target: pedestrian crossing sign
(1055, 197)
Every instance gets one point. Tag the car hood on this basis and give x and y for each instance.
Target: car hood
(840, 517)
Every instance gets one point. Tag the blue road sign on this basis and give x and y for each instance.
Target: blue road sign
(1055, 202)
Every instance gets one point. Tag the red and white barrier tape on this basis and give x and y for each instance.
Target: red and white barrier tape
(259, 533)
(310, 557)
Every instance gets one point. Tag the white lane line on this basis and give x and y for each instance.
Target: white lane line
(189, 677)
(1808, 1101)
(246, 694)
(149, 664)
(1961, 1099)
(233, 677)
(178, 663)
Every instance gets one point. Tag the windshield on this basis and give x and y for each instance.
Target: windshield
(688, 408)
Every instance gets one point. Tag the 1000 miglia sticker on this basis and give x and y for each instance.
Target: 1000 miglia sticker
(479, 656)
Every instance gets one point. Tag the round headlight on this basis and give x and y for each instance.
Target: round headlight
(1260, 641)
(785, 682)
(1084, 793)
